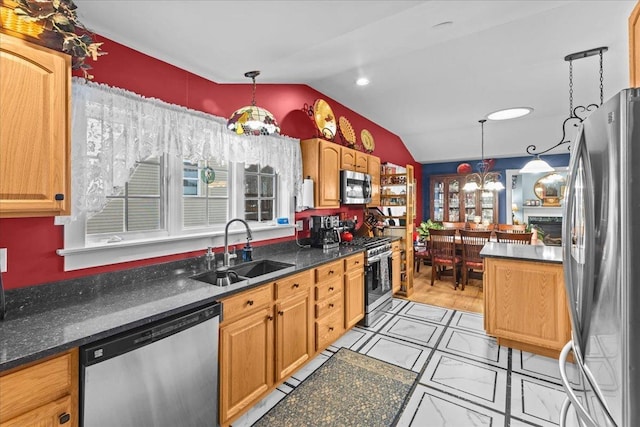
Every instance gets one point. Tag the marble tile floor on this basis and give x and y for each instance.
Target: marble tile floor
(465, 377)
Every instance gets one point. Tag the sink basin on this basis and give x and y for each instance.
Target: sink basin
(258, 269)
(210, 277)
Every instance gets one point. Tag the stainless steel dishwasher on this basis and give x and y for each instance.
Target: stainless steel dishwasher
(163, 374)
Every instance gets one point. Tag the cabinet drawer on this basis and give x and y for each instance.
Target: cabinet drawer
(293, 284)
(329, 271)
(354, 262)
(246, 302)
(329, 329)
(36, 385)
(329, 305)
(329, 288)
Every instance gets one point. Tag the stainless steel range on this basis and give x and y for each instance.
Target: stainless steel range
(377, 292)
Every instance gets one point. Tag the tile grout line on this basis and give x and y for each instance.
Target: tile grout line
(507, 406)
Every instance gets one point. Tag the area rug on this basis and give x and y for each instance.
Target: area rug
(349, 389)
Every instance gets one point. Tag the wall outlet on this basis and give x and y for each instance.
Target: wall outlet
(3, 260)
(299, 225)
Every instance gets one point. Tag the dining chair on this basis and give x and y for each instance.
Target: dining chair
(421, 254)
(480, 227)
(517, 238)
(512, 228)
(472, 244)
(442, 245)
(454, 225)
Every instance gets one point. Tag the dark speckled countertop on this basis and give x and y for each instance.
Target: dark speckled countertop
(48, 319)
(540, 253)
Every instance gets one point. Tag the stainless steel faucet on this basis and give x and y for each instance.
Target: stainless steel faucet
(227, 255)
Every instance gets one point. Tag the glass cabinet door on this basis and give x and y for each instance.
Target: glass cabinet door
(487, 200)
(438, 200)
(469, 206)
(454, 200)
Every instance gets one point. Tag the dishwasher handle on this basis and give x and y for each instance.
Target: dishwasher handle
(131, 340)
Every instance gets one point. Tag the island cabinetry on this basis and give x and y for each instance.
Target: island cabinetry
(353, 290)
(35, 84)
(329, 303)
(526, 305)
(41, 394)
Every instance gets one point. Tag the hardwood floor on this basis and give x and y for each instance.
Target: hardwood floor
(442, 293)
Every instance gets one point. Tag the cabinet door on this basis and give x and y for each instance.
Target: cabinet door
(373, 169)
(361, 162)
(328, 186)
(50, 415)
(353, 297)
(347, 159)
(634, 47)
(396, 271)
(246, 362)
(294, 334)
(453, 201)
(438, 190)
(35, 85)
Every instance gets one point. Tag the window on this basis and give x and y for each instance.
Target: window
(259, 193)
(205, 195)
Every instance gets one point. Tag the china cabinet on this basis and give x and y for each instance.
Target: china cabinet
(449, 202)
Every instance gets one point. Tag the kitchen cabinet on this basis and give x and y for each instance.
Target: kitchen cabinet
(35, 142)
(525, 305)
(322, 161)
(450, 203)
(396, 267)
(274, 325)
(329, 321)
(634, 46)
(41, 394)
(353, 290)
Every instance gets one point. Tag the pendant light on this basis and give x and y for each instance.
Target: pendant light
(253, 120)
(483, 179)
(576, 115)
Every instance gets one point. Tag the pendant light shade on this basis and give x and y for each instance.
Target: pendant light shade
(537, 165)
(251, 119)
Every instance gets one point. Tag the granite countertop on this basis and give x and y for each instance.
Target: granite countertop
(48, 319)
(540, 253)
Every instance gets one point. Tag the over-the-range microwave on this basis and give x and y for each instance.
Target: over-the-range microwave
(355, 188)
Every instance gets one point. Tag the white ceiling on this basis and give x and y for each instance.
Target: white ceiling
(429, 85)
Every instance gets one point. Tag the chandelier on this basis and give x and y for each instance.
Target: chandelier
(253, 120)
(576, 115)
(484, 179)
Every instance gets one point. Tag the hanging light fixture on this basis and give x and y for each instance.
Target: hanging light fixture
(576, 115)
(253, 120)
(484, 179)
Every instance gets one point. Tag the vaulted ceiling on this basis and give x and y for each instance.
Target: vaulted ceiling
(431, 80)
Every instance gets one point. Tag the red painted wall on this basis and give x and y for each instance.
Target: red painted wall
(32, 242)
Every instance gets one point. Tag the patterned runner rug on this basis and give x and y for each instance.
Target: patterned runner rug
(349, 389)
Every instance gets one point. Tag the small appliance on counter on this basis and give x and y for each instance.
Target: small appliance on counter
(324, 231)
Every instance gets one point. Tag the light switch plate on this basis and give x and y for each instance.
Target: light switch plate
(3, 260)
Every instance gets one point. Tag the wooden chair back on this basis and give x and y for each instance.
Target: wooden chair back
(454, 225)
(472, 244)
(442, 245)
(480, 227)
(517, 238)
(512, 228)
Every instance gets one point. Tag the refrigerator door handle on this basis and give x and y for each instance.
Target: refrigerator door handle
(564, 411)
(583, 415)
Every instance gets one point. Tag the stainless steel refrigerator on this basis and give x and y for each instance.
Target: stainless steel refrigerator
(601, 242)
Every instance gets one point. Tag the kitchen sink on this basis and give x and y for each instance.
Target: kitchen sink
(258, 269)
(210, 277)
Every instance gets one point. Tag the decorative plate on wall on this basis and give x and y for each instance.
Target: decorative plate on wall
(367, 140)
(347, 133)
(324, 118)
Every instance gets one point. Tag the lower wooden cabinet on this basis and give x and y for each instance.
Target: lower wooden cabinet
(396, 267)
(353, 290)
(294, 339)
(525, 305)
(41, 394)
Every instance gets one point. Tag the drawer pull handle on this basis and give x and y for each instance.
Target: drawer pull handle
(357, 262)
(330, 328)
(281, 313)
(330, 271)
(250, 302)
(64, 418)
(296, 285)
(331, 288)
(270, 318)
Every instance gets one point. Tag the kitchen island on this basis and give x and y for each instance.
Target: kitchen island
(525, 304)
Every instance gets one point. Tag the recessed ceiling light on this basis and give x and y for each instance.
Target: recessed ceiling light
(362, 81)
(509, 113)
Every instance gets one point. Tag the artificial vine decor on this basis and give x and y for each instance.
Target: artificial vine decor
(60, 17)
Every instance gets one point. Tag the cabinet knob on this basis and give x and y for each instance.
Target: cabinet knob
(330, 305)
(330, 271)
(64, 418)
(357, 262)
(296, 285)
(250, 302)
(330, 328)
(270, 318)
(59, 197)
(331, 288)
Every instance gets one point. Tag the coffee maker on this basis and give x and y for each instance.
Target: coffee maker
(324, 231)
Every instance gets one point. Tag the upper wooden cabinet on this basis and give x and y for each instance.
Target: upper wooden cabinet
(35, 91)
(373, 169)
(634, 46)
(449, 202)
(322, 161)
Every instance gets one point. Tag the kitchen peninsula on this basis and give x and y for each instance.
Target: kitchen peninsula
(525, 304)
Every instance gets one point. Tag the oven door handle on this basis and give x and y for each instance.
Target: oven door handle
(378, 257)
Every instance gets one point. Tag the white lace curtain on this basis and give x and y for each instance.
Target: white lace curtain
(112, 129)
